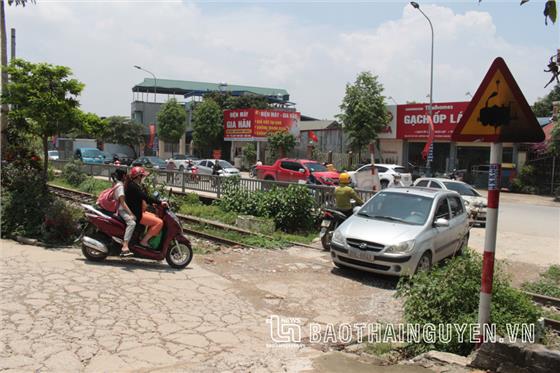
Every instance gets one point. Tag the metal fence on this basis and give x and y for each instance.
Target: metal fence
(187, 182)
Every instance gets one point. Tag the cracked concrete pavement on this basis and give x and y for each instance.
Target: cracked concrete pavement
(61, 313)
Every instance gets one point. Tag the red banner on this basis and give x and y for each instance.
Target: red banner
(152, 128)
(412, 120)
(255, 124)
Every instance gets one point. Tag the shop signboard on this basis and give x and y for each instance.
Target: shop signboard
(390, 130)
(412, 120)
(256, 124)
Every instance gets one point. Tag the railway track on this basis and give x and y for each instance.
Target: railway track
(544, 300)
(82, 197)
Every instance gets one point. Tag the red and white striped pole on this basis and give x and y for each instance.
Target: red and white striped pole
(494, 175)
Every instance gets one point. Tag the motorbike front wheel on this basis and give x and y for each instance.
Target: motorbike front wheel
(327, 237)
(179, 255)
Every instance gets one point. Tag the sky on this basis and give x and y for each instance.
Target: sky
(310, 48)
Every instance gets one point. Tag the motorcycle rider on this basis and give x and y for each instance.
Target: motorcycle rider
(119, 176)
(136, 197)
(344, 193)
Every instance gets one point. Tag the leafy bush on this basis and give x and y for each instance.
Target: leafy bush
(525, 181)
(93, 185)
(292, 209)
(449, 294)
(61, 222)
(73, 174)
(548, 284)
(24, 198)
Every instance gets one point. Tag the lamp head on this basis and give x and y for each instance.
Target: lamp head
(137, 67)
(415, 4)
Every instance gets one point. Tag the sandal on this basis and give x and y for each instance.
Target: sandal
(126, 253)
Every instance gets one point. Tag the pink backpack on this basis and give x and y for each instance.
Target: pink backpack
(107, 201)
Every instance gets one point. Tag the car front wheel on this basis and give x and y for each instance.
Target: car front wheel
(425, 262)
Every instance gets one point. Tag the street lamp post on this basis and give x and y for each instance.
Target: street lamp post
(417, 6)
(392, 99)
(155, 79)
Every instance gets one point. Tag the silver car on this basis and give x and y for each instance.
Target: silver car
(402, 230)
(206, 166)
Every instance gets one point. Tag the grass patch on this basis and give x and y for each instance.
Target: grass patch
(90, 185)
(551, 314)
(211, 212)
(255, 241)
(378, 348)
(304, 237)
(548, 284)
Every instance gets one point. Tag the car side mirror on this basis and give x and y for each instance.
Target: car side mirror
(441, 222)
(302, 170)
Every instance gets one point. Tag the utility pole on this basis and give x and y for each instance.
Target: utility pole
(13, 44)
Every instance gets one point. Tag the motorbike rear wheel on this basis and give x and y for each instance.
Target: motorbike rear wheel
(327, 237)
(93, 255)
(179, 255)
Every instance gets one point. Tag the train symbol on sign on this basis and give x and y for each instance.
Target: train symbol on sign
(495, 116)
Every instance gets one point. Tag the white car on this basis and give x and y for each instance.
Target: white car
(475, 203)
(206, 166)
(181, 161)
(362, 178)
(53, 155)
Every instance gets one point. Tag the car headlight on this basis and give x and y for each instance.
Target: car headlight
(401, 248)
(338, 238)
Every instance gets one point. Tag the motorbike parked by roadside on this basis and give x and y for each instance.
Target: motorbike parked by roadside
(103, 235)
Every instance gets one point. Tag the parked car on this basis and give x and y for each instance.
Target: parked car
(474, 202)
(400, 231)
(181, 161)
(107, 158)
(89, 155)
(298, 170)
(53, 155)
(206, 167)
(150, 162)
(362, 179)
(122, 158)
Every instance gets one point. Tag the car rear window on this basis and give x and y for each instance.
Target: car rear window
(462, 189)
(400, 170)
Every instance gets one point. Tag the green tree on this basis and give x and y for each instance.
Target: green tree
(543, 106)
(44, 100)
(207, 124)
(227, 101)
(171, 121)
(4, 62)
(363, 110)
(122, 130)
(554, 144)
(281, 143)
(91, 126)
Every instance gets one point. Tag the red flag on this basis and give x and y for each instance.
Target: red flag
(313, 136)
(431, 136)
(152, 135)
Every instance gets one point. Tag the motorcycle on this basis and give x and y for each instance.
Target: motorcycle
(103, 236)
(331, 220)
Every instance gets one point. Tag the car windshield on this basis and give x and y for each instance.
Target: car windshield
(225, 164)
(179, 156)
(53, 152)
(400, 170)
(155, 160)
(462, 189)
(92, 153)
(315, 167)
(399, 207)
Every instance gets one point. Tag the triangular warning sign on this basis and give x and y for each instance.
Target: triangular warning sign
(498, 112)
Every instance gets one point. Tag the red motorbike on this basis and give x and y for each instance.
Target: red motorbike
(103, 236)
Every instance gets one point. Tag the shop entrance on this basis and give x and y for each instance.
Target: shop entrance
(441, 156)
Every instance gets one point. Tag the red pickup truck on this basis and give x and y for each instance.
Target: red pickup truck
(294, 170)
